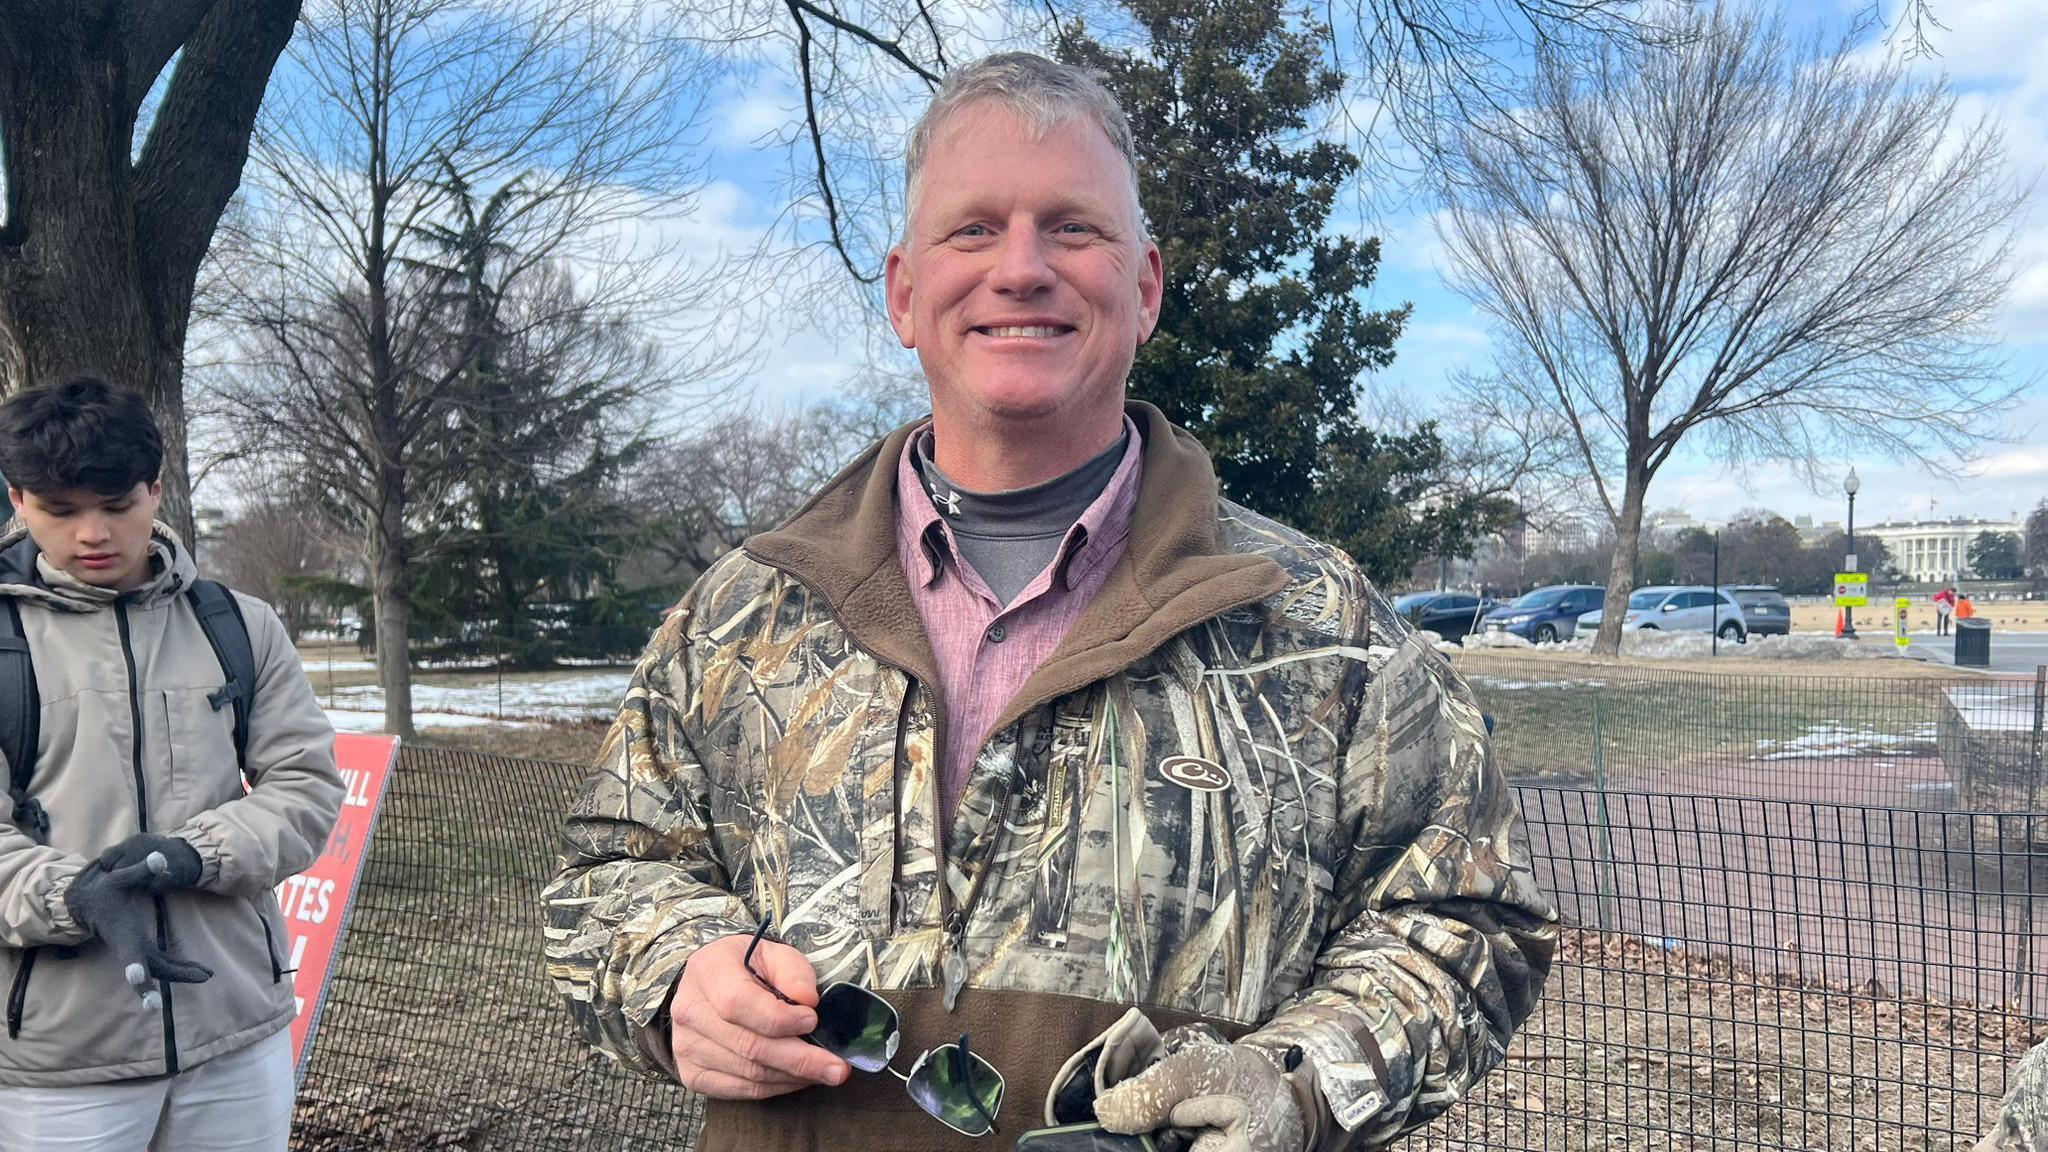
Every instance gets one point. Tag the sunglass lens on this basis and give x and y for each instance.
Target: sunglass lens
(940, 1085)
(857, 1026)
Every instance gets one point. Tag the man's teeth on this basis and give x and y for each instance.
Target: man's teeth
(1038, 330)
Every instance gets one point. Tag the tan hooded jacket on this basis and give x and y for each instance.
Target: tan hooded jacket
(129, 742)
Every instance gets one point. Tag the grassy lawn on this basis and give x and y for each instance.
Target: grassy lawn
(1653, 719)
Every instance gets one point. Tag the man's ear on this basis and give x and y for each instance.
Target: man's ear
(1151, 287)
(896, 294)
(16, 497)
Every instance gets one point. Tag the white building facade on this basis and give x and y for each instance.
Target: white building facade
(1932, 551)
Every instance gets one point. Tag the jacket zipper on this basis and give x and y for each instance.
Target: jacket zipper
(163, 919)
(950, 960)
(269, 944)
(17, 1000)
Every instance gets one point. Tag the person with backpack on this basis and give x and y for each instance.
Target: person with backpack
(167, 767)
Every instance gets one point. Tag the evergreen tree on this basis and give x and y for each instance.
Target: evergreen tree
(522, 559)
(1263, 334)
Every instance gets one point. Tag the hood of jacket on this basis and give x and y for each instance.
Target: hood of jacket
(25, 575)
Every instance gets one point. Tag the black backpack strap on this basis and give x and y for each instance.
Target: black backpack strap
(220, 615)
(21, 713)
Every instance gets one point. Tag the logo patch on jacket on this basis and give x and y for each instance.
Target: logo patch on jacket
(1195, 773)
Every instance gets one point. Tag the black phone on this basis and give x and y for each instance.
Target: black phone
(1082, 1138)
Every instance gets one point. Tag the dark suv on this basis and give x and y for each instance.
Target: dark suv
(1448, 614)
(1763, 607)
(1546, 615)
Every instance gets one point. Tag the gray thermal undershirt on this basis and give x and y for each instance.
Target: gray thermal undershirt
(1008, 538)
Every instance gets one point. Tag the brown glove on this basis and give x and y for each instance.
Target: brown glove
(1233, 1094)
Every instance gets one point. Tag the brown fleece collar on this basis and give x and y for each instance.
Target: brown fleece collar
(1174, 572)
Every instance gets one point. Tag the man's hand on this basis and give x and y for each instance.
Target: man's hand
(129, 865)
(1234, 1095)
(732, 1039)
(117, 916)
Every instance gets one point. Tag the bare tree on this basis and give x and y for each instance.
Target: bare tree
(1758, 252)
(270, 549)
(748, 471)
(101, 240)
(436, 151)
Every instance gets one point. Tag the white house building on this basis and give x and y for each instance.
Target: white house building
(1927, 551)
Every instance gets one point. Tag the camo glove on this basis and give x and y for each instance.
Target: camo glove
(176, 866)
(1234, 1097)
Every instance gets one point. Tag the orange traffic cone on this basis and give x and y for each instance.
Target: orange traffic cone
(1838, 623)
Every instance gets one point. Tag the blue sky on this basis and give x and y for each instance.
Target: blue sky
(1986, 50)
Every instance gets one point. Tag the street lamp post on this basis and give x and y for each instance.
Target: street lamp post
(1850, 486)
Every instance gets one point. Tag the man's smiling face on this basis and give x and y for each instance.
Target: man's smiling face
(1023, 282)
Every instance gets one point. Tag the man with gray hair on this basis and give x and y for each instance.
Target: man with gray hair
(1126, 807)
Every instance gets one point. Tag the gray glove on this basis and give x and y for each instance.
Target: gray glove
(118, 917)
(1234, 1094)
(176, 865)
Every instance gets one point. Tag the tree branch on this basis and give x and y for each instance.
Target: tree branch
(192, 162)
(892, 48)
(803, 57)
(158, 28)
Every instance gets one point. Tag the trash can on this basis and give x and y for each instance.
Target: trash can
(1973, 643)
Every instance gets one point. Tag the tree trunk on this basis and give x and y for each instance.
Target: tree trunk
(100, 246)
(392, 604)
(1621, 574)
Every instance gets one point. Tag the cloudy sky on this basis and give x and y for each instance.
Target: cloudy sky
(1990, 49)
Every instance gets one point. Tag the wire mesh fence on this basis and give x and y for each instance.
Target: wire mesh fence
(1759, 955)
(441, 1029)
(1966, 743)
(1760, 974)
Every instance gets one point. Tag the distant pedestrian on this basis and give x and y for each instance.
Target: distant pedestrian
(1944, 606)
(1965, 609)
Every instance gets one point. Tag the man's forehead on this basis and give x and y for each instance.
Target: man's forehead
(991, 116)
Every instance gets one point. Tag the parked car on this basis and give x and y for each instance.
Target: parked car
(1448, 614)
(1764, 610)
(1546, 615)
(1678, 608)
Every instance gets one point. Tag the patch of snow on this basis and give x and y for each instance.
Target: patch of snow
(572, 696)
(314, 663)
(1502, 639)
(1827, 742)
(349, 720)
(1654, 644)
(1501, 684)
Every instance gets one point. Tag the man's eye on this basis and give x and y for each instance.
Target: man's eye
(975, 230)
(1072, 228)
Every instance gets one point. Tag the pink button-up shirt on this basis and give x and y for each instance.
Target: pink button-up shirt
(985, 651)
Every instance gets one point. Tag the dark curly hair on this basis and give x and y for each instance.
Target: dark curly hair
(84, 433)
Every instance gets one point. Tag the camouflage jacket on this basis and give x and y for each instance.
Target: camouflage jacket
(1240, 790)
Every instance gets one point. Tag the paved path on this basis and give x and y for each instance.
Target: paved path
(2017, 653)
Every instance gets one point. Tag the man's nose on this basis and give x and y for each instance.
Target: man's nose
(93, 530)
(1021, 268)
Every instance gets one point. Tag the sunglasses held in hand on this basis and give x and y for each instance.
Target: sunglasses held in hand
(958, 1088)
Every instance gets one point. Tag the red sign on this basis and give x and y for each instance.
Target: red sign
(316, 901)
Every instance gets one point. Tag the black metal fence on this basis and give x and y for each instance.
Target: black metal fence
(441, 1030)
(1741, 970)
(1973, 743)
